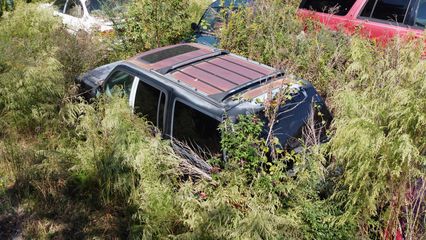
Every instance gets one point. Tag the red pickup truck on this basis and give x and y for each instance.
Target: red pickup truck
(376, 19)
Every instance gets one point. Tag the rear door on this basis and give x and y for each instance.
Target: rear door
(195, 128)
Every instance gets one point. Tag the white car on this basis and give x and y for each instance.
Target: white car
(87, 15)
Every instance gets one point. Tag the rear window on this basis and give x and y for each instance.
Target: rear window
(196, 129)
(336, 7)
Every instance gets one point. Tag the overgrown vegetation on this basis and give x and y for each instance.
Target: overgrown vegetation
(150, 24)
(69, 169)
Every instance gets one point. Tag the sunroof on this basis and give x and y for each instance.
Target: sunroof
(168, 53)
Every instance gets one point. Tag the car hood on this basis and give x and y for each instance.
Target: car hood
(293, 116)
(94, 78)
(206, 39)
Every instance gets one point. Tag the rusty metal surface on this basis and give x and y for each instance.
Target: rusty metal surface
(136, 60)
(211, 75)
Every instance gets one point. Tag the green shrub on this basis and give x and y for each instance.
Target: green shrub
(380, 134)
(377, 95)
(31, 81)
(154, 23)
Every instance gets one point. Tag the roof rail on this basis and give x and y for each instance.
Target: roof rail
(215, 53)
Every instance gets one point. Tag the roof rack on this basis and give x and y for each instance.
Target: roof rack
(215, 53)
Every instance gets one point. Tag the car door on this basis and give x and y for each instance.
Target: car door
(385, 19)
(335, 14)
(195, 128)
(149, 101)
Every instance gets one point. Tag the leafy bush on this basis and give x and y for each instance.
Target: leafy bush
(30, 80)
(377, 95)
(380, 135)
(37, 144)
(154, 23)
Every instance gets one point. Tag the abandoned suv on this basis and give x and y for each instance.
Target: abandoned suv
(187, 90)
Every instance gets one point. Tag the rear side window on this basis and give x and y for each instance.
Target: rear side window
(120, 80)
(420, 20)
(388, 10)
(336, 7)
(196, 129)
(149, 103)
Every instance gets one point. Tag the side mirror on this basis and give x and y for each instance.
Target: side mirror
(194, 26)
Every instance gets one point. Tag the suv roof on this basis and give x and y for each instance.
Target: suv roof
(212, 72)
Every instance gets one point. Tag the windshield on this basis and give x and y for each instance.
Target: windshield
(217, 12)
(75, 8)
(102, 7)
(211, 20)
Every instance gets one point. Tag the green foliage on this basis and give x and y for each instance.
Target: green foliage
(242, 144)
(30, 80)
(154, 23)
(380, 131)
(377, 94)
(79, 53)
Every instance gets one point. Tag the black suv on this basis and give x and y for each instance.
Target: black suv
(187, 90)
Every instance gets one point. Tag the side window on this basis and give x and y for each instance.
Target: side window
(195, 128)
(389, 10)
(337, 7)
(121, 80)
(60, 5)
(149, 103)
(420, 20)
